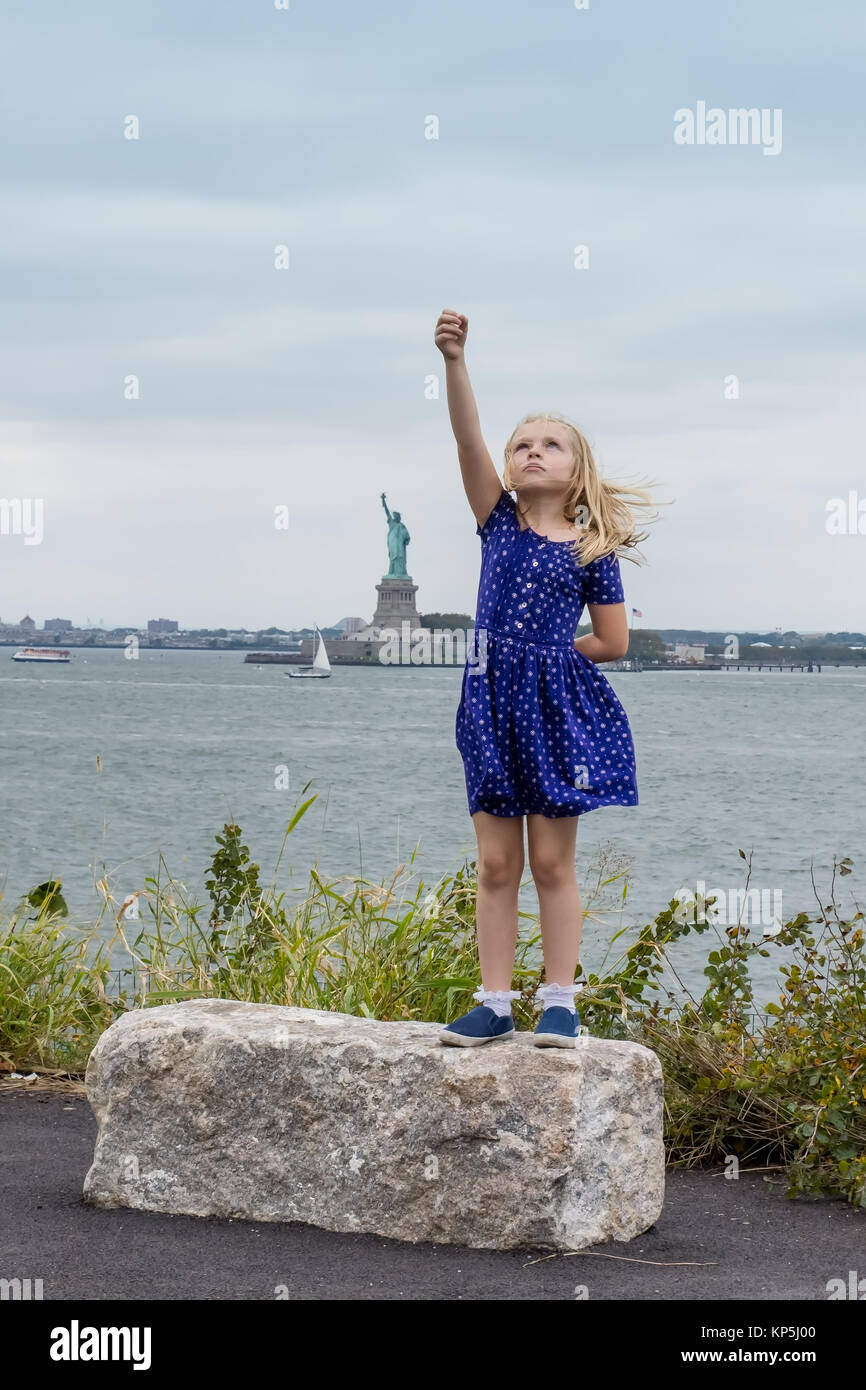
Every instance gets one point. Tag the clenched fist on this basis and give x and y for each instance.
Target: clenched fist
(450, 335)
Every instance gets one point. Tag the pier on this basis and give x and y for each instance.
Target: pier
(771, 666)
(627, 664)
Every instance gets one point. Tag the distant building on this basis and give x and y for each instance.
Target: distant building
(350, 625)
(690, 653)
(157, 625)
(57, 624)
(27, 624)
(367, 633)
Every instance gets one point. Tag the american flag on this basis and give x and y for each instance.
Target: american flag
(636, 613)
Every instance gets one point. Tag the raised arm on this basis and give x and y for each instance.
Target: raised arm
(481, 482)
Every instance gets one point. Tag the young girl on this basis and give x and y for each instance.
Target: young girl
(539, 728)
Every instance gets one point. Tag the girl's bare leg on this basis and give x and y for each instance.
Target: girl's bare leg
(551, 863)
(500, 869)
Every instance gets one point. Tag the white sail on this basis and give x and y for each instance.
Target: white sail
(320, 660)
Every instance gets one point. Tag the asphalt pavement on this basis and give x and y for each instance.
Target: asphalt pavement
(716, 1239)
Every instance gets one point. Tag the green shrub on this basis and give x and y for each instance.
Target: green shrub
(787, 1088)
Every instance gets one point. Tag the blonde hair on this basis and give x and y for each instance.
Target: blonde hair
(609, 507)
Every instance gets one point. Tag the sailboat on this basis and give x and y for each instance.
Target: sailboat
(321, 666)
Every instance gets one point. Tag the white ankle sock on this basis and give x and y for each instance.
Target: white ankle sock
(558, 996)
(499, 1000)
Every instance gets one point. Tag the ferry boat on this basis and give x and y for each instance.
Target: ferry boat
(46, 654)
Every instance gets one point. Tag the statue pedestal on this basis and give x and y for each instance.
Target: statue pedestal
(396, 604)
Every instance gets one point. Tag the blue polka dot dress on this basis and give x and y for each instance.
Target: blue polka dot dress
(539, 728)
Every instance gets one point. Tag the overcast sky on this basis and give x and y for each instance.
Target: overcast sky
(305, 387)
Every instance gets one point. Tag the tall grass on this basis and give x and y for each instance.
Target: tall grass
(786, 1089)
(53, 997)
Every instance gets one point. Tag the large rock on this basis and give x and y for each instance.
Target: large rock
(215, 1108)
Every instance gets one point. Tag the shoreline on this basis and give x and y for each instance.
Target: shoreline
(278, 657)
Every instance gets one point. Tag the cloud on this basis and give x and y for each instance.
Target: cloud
(155, 258)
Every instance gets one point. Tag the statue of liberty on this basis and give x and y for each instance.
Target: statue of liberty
(398, 539)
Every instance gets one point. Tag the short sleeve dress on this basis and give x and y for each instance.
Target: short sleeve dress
(539, 728)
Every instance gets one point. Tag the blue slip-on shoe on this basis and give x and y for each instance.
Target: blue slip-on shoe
(557, 1027)
(481, 1025)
